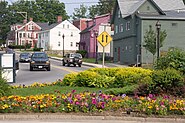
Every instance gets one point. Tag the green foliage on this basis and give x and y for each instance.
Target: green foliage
(150, 40)
(128, 90)
(16, 46)
(129, 76)
(173, 59)
(86, 78)
(102, 81)
(105, 71)
(5, 89)
(166, 80)
(80, 12)
(82, 52)
(69, 79)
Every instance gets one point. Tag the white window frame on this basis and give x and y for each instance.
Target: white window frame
(121, 28)
(128, 25)
(116, 30)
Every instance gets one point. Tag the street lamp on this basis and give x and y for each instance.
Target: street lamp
(158, 27)
(96, 35)
(63, 43)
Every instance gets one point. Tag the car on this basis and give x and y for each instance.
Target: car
(24, 57)
(72, 58)
(9, 51)
(39, 60)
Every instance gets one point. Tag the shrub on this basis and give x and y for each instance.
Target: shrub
(103, 81)
(105, 71)
(69, 80)
(5, 88)
(129, 76)
(166, 80)
(174, 59)
(86, 78)
(82, 52)
(128, 90)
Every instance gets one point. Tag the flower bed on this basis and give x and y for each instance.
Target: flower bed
(92, 102)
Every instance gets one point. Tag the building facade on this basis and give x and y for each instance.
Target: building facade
(132, 19)
(59, 36)
(88, 36)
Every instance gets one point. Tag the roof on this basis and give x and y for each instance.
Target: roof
(170, 15)
(128, 7)
(87, 29)
(44, 26)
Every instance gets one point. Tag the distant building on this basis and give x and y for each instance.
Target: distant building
(26, 33)
(53, 36)
(131, 20)
(81, 24)
(88, 40)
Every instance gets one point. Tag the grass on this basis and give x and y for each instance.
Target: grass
(52, 89)
(92, 60)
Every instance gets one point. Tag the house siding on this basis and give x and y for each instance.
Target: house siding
(174, 39)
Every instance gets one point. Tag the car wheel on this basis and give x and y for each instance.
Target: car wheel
(75, 65)
(79, 65)
(31, 68)
(63, 63)
(48, 69)
(68, 64)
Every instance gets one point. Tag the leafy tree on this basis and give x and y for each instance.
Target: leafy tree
(93, 11)
(105, 6)
(150, 40)
(4, 28)
(80, 12)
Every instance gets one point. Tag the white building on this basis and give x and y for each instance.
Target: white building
(52, 37)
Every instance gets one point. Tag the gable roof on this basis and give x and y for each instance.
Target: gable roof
(87, 29)
(28, 24)
(128, 7)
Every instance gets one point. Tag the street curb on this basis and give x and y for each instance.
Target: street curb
(23, 117)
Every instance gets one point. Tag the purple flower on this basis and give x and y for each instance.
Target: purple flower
(123, 95)
(73, 91)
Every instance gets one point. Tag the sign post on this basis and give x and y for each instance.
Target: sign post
(104, 38)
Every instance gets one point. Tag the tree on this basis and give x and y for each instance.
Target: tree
(150, 40)
(4, 24)
(105, 6)
(93, 11)
(80, 12)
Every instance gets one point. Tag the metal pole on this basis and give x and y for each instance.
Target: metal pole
(63, 44)
(103, 57)
(158, 26)
(96, 35)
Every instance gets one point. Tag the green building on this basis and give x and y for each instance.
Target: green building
(131, 20)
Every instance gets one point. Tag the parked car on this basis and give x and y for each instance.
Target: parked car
(24, 57)
(39, 60)
(72, 58)
(9, 51)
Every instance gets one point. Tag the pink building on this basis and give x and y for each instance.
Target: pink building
(88, 35)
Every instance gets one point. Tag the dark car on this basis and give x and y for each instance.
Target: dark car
(39, 60)
(24, 57)
(72, 58)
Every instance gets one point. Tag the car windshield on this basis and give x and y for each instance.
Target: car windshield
(76, 55)
(39, 55)
(25, 54)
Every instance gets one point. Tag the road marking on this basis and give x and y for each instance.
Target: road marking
(70, 71)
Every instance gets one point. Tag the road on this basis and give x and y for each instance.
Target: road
(27, 77)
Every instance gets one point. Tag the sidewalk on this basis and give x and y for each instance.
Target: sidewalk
(96, 65)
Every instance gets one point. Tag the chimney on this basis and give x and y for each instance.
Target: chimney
(31, 19)
(59, 19)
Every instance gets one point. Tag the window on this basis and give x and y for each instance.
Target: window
(119, 13)
(71, 44)
(77, 44)
(63, 25)
(148, 8)
(128, 25)
(68, 26)
(30, 27)
(59, 33)
(115, 50)
(174, 24)
(71, 34)
(121, 28)
(116, 31)
(20, 35)
(24, 34)
(59, 43)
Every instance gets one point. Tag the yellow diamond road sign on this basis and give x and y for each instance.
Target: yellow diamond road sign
(104, 38)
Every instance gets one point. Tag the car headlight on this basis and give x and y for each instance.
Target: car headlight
(71, 60)
(47, 62)
(32, 62)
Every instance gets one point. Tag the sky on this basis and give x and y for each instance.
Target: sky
(71, 4)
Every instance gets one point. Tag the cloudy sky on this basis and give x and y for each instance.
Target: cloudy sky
(71, 4)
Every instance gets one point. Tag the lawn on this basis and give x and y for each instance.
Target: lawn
(52, 89)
